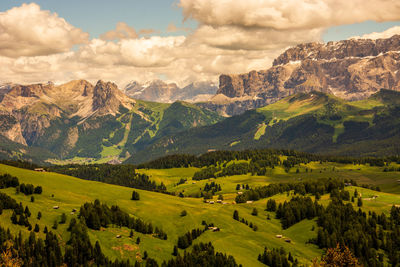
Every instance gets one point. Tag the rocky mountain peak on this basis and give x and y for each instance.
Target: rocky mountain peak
(161, 91)
(357, 48)
(107, 98)
(32, 90)
(350, 69)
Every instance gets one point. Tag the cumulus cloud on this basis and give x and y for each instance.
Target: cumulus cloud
(289, 14)
(155, 51)
(173, 28)
(237, 38)
(232, 37)
(380, 35)
(148, 31)
(121, 31)
(29, 31)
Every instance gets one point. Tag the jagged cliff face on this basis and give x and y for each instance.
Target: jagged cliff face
(351, 69)
(159, 91)
(88, 122)
(28, 111)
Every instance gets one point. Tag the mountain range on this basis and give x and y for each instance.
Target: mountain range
(350, 69)
(81, 120)
(313, 122)
(336, 98)
(160, 91)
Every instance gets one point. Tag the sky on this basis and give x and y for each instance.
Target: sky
(176, 40)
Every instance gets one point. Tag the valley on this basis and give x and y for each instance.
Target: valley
(197, 133)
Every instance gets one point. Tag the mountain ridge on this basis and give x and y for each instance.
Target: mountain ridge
(78, 119)
(313, 122)
(160, 91)
(351, 69)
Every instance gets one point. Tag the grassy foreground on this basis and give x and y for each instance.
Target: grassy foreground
(163, 211)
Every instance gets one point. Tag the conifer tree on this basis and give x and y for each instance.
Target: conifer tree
(236, 215)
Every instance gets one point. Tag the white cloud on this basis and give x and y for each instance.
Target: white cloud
(29, 31)
(232, 37)
(237, 38)
(289, 14)
(122, 31)
(173, 28)
(380, 35)
(144, 52)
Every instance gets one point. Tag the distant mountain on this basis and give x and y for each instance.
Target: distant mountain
(312, 122)
(80, 120)
(350, 69)
(159, 91)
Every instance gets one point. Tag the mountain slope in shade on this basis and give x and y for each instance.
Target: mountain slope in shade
(159, 91)
(350, 69)
(312, 122)
(81, 120)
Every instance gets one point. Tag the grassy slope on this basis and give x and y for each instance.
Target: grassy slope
(313, 122)
(387, 181)
(158, 120)
(162, 210)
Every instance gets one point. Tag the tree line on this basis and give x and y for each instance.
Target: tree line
(296, 210)
(7, 180)
(186, 240)
(244, 221)
(98, 215)
(277, 258)
(202, 254)
(371, 237)
(316, 187)
(124, 175)
(269, 155)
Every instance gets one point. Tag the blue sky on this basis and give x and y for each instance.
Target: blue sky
(229, 36)
(99, 16)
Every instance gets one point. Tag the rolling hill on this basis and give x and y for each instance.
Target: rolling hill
(164, 211)
(311, 122)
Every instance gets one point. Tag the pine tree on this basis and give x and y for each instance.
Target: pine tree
(254, 212)
(175, 252)
(36, 229)
(14, 218)
(55, 225)
(359, 202)
(236, 215)
(138, 240)
(63, 218)
(39, 215)
(27, 212)
(135, 195)
(131, 234)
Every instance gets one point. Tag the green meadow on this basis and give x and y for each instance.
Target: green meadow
(164, 210)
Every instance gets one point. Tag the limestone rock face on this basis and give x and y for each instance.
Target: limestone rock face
(159, 91)
(28, 111)
(350, 69)
(107, 99)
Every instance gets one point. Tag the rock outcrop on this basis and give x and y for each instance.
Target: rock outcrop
(159, 91)
(350, 69)
(28, 111)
